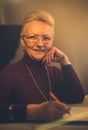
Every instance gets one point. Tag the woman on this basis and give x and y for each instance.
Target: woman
(27, 87)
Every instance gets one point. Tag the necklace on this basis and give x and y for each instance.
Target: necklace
(29, 70)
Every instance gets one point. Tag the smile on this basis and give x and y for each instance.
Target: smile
(39, 50)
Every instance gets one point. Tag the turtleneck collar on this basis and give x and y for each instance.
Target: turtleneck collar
(32, 62)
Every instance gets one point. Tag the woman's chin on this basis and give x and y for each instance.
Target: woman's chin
(37, 58)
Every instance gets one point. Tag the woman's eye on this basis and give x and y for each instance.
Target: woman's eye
(31, 37)
(46, 38)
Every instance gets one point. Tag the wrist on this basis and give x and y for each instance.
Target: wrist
(64, 61)
(32, 112)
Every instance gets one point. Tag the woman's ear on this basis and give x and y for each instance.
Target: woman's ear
(22, 42)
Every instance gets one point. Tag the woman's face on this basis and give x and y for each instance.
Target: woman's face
(38, 39)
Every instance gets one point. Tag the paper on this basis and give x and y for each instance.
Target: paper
(78, 112)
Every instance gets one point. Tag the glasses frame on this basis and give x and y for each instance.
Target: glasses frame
(43, 38)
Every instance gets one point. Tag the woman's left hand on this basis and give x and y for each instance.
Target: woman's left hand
(55, 55)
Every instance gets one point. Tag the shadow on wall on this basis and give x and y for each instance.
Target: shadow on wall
(9, 42)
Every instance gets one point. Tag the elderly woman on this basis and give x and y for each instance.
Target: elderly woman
(28, 87)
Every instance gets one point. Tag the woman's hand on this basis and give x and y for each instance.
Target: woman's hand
(55, 55)
(48, 111)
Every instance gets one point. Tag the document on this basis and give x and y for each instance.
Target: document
(78, 112)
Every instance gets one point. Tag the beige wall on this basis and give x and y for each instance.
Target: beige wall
(71, 27)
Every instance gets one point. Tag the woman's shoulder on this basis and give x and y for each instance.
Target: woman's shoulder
(10, 68)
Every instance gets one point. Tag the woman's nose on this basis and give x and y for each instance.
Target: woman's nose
(40, 42)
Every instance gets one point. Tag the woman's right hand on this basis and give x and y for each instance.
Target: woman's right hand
(47, 111)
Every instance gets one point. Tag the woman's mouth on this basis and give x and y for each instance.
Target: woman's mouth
(39, 50)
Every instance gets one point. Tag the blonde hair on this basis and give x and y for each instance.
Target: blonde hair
(38, 15)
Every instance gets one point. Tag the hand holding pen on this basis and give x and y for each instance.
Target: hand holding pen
(62, 105)
(48, 110)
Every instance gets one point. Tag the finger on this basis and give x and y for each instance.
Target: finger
(56, 115)
(65, 108)
(48, 58)
(51, 54)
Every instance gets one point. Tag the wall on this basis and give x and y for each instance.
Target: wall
(71, 27)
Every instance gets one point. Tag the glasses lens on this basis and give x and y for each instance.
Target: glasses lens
(46, 38)
(32, 38)
(35, 38)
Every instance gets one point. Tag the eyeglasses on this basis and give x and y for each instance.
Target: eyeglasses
(33, 38)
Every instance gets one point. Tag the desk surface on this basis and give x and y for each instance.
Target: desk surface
(28, 126)
(78, 120)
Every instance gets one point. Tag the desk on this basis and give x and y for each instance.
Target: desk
(78, 120)
(25, 126)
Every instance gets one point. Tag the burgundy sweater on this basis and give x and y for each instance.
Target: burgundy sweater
(17, 86)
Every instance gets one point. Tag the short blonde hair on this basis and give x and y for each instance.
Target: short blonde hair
(38, 15)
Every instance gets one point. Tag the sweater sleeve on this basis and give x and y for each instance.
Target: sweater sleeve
(71, 89)
(18, 112)
(73, 84)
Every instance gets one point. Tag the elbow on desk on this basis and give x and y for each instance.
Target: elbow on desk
(73, 99)
(79, 98)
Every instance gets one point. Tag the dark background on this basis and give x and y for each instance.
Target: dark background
(9, 42)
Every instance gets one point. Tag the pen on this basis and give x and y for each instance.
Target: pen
(52, 95)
